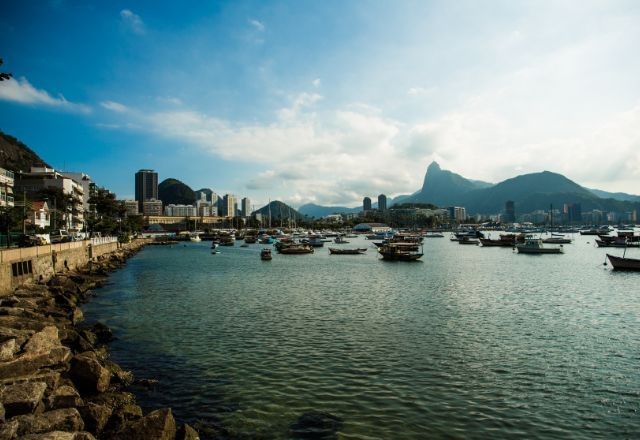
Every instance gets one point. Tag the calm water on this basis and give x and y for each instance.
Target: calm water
(470, 342)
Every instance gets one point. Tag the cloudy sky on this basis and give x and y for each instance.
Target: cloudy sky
(326, 101)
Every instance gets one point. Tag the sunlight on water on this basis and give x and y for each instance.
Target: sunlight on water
(468, 342)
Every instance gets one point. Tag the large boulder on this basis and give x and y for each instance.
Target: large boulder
(43, 341)
(65, 396)
(88, 374)
(95, 417)
(186, 432)
(157, 425)
(8, 348)
(22, 398)
(9, 430)
(29, 363)
(67, 419)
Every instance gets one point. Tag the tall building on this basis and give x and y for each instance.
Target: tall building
(457, 214)
(6, 187)
(366, 204)
(146, 187)
(131, 207)
(246, 207)
(509, 212)
(382, 202)
(572, 212)
(228, 206)
(84, 180)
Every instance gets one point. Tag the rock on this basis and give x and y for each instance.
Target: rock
(87, 373)
(51, 378)
(67, 419)
(21, 323)
(30, 363)
(43, 341)
(9, 430)
(114, 399)
(102, 332)
(77, 316)
(186, 432)
(118, 375)
(122, 415)
(65, 396)
(316, 425)
(2, 413)
(8, 348)
(22, 398)
(95, 417)
(146, 384)
(60, 435)
(157, 425)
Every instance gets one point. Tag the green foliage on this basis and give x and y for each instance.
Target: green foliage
(414, 205)
(173, 191)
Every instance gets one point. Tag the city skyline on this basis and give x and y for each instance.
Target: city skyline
(219, 98)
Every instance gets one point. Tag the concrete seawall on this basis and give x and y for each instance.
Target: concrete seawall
(40, 263)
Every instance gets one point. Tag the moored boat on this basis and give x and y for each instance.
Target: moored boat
(557, 240)
(340, 251)
(535, 246)
(265, 254)
(296, 249)
(396, 253)
(623, 263)
(468, 240)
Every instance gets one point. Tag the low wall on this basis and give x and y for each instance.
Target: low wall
(39, 263)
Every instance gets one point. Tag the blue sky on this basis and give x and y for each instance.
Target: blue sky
(325, 101)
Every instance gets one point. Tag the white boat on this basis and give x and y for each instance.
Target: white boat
(533, 245)
(195, 238)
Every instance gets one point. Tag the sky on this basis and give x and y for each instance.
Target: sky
(325, 101)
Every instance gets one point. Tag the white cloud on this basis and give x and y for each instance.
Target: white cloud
(316, 82)
(132, 21)
(421, 91)
(23, 92)
(114, 106)
(257, 25)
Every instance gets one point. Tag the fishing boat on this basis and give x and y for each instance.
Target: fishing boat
(295, 249)
(194, 238)
(433, 235)
(533, 245)
(265, 254)
(394, 252)
(227, 240)
(557, 240)
(341, 251)
(623, 263)
(468, 240)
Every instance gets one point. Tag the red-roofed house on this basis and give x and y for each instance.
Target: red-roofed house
(39, 214)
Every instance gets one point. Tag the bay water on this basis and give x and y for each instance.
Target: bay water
(469, 342)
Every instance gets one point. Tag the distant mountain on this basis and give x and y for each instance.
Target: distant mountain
(318, 211)
(441, 187)
(527, 191)
(16, 156)
(623, 197)
(530, 192)
(173, 191)
(279, 210)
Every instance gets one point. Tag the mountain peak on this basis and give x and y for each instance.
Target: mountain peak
(433, 167)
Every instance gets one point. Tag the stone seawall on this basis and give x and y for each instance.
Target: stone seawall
(40, 263)
(56, 379)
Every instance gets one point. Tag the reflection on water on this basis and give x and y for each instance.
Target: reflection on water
(470, 342)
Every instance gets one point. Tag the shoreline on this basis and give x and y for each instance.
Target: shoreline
(56, 378)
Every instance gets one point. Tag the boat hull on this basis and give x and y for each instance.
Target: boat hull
(524, 250)
(620, 263)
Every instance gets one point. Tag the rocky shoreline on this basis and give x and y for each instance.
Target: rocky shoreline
(56, 379)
